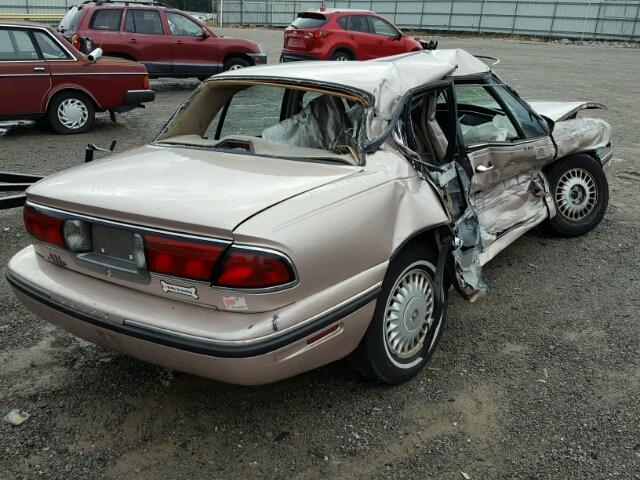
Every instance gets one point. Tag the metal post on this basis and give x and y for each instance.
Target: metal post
(221, 4)
(635, 24)
(395, 11)
(553, 20)
(595, 29)
(481, 13)
(450, 14)
(420, 25)
(515, 15)
(584, 25)
(241, 12)
(26, 4)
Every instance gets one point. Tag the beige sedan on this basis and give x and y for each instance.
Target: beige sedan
(288, 216)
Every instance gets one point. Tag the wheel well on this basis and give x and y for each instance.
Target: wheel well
(343, 48)
(65, 90)
(244, 56)
(426, 239)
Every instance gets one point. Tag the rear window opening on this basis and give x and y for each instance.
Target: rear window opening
(270, 120)
(70, 20)
(307, 20)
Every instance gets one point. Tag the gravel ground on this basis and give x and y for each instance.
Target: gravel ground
(541, 379)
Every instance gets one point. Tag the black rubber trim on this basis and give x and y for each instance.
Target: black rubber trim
(258, 58)
(296, 57)
(136, 97)
(195, 345)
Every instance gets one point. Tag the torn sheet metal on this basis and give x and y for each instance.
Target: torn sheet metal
(507, 161)
(510, 204)
(581, 135)
(558, 111)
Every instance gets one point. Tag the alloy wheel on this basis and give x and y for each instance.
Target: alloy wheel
(576, 194)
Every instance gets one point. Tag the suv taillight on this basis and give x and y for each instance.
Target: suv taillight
(246, 268)
(45, 228)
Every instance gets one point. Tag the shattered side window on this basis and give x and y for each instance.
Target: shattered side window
(482, 119)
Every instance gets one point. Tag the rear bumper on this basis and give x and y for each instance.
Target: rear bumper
(95, 317)
(258, 58)
(296, 57)
(137, 97)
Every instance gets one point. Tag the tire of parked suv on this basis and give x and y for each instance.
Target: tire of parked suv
(342, 55)
(581, 194)
(71, 112)
(234, 63)
(404, 331)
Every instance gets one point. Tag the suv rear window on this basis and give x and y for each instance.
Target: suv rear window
(309, 20)
(70, 20)
(107, 19)
(143, 21)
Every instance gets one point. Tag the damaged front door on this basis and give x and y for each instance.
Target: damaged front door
(507, 145)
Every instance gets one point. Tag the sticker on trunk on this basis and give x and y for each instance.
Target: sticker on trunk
(234, 303)
(180, 290)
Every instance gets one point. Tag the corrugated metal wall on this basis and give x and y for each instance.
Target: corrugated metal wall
(581, 19)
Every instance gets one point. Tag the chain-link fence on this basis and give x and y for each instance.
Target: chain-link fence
(581, 19)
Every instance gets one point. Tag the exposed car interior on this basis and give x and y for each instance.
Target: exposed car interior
(298, 123)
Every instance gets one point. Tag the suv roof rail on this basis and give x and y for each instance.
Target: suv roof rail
(128, 2)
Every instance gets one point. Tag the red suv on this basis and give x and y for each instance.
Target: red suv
(42, 75)
(342, 34)
(169, 42)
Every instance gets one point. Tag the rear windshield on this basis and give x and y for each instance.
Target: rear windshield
(309, 20)
(70, 21)
(269, 120)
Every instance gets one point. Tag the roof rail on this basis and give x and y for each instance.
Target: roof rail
(128, 2)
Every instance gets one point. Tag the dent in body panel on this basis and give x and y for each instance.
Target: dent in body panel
(581, 135)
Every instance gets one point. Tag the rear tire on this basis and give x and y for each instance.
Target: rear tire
(581, 194)
(236, 63)
(404, 332)
(342, 56)
(71, 112)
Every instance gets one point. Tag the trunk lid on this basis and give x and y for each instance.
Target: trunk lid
(179, 189)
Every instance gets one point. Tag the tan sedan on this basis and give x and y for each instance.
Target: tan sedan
(288, 216)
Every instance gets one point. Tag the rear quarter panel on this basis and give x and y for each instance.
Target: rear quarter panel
(105, 81)
(344, 233)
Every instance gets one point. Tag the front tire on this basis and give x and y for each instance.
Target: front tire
(236, 63)
(580, 192)
(407, 322)
(71, 112)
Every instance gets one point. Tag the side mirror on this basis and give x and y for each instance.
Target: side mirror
(398, 36)
(550, 123)
(205, 33)
(94, 55)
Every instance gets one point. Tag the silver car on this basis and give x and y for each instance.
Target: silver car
(292, 215)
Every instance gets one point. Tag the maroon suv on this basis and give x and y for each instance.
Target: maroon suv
(168, 41)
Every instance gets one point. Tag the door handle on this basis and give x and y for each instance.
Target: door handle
(351, 37)
(179, 42)
(484, 168)
(133, 40)
(39, 69)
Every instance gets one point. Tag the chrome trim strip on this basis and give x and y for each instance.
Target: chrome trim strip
(252, 341)
(128, 226)
(24, 75)
(96, 73)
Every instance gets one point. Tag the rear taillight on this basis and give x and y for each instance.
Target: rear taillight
(75, 41)
(181, 258)
(145, 82)
(244, 268)
(46, 228)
